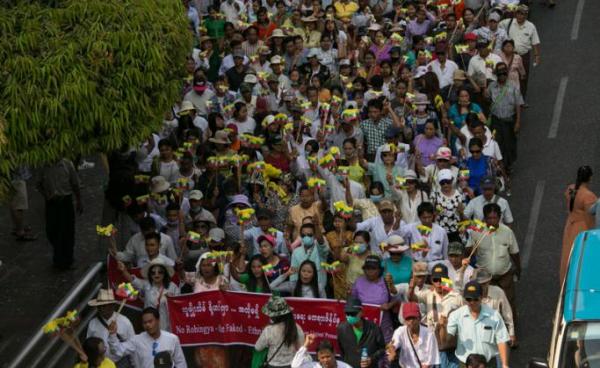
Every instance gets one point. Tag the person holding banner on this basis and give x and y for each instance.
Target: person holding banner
(155, 286)
(144, 347)
(325, 355)
(283, 337)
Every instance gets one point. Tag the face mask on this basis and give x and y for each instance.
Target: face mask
(196, 209)
(339, 178)
(376, 198)
(307, 241)
(362, 247)
(352, 319)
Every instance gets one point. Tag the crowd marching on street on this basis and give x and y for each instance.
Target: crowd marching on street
(348, 150)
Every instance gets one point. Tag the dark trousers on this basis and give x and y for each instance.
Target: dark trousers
(507, 283)
(506, 138)
(60, 229)
(526, 63)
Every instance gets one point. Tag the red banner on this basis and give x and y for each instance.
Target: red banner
(235, 318)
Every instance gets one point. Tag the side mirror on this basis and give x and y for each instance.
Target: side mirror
(537, 363)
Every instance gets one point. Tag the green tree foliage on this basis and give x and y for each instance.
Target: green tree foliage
(82, 76)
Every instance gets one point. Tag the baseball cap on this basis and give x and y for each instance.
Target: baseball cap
(250, 78)
(443, 153)
(411, 310)
(488, 182)
(372, 261)
(470, 36)
(483, 276)
(196, 195)
(439, 271)
(344, 62)
(420, 269)
(494, 16)
(238, 54)
(276, 59)
(216, 234)
(353, 305)
(456, 248)
(386, 204)
(269, 238)
(472, 290)
(410, 175)
(445, 174)
(313, 53)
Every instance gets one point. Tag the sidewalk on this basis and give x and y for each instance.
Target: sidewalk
(32, 288)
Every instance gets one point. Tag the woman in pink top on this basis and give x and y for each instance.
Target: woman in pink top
(516, 70)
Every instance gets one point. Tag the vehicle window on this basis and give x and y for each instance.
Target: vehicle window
(582, 345)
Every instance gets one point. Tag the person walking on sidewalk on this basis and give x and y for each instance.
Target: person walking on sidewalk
(58, 184)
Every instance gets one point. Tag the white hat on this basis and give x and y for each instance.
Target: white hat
(313, 53)
(186, 107)
(105, 297)
(445, 174)
(196, 195)
(443, 153)
(250, 78)
(374, 27)
(410, 174)
(216, 234)
(156, 262)
(345, 62)
(396, 244)
(277, 33)
(421, 71)
(221, 137)
(386, 148)
(159, 184)
(276, 59)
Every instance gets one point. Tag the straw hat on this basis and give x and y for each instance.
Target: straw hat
(105, 297)
(277, 33)
(186, 107)
(221, 137)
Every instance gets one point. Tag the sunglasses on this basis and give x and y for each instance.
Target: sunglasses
(472, 299)
(436, 280)
(444, 182)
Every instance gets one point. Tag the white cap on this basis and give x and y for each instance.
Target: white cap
(445, 174)
(276, 59)
(421, 71)
(216, 234)
(250, 78)
(196, 195)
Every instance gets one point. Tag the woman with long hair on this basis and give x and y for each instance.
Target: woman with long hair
(306, 286)
(94, 349)
(579, 200)
(282, 337)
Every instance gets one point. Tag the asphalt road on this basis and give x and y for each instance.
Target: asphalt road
(546, 165)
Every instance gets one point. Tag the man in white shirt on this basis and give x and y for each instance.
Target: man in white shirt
(98, 326)
(442, 67)
(482, 65)
(200, 95)
(325, 355)
(458, 272)
(145, 346)
(423, 352)
(383, 226)
(474, 209)
(428, 240)
(135, 250)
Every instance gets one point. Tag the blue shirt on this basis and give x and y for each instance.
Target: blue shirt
(478, 169)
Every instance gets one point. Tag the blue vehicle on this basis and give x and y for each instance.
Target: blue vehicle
(576, 332)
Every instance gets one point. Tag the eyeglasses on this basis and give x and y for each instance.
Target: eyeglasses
(475, 151)
(444, 182)
(154, 347)
(472, 299)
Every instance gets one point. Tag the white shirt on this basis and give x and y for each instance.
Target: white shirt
(445, 74)
(478, 65)
(124, 330)
(426, 348)
(437, 242)
(247, 126)
(337, 190)
(145, 157)
(401, 158)
(455, 276)
(525, 35)
(135, 249)
(140, 347)
(302, 359)
(375, 226)
(199, 101)
(474, 209)
(232, 14)
(468, 136)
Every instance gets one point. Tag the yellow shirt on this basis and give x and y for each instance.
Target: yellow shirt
(344, 11)
(106, 363)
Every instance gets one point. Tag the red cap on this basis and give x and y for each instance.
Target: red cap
(266, 237)
(411, 310)
(470, 36)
